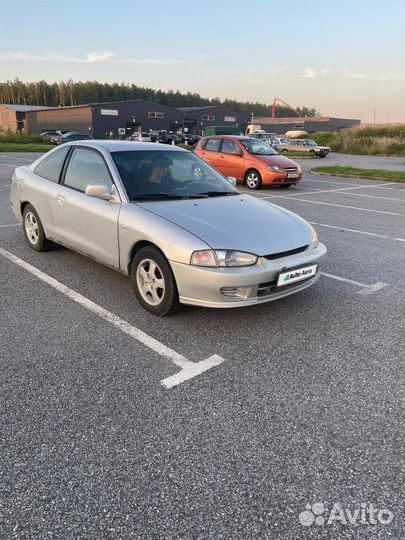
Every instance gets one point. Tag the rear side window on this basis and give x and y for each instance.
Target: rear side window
(51, 167)
(86, 167)
(212, 145)
(230, 147)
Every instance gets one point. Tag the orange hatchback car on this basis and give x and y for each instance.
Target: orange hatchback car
(249, 160)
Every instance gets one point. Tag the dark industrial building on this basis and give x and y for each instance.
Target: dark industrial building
(12, 116)
(107, 120)
(197, 119)
(309, 124)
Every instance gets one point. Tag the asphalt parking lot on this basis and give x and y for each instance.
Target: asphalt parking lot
(304, 405)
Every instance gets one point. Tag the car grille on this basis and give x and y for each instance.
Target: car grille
(285, 253)
(291, 169)
(266, 289)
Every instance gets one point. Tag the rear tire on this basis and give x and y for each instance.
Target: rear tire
(285, 151)
(253, 180)
(153, 282)
(33, 230)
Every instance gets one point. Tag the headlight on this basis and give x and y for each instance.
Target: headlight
(222, 257)
(274, 168)
(314, 239)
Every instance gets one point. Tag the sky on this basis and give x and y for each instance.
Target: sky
(345, 58)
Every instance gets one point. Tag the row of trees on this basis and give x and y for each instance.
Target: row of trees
(63, 93)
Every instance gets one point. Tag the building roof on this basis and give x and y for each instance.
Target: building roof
(204, 107)
(24, 108)
(299, 119)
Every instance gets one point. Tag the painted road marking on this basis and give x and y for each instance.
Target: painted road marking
(188, 369)
(382, 186)
(357, 231)
(8, 165)
(11, 225)
(339, 192)
(342, 206)
(365, 288)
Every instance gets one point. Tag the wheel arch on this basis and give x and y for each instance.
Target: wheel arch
(136, 247)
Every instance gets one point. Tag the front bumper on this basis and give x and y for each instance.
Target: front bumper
(202, 286)
(277, 178)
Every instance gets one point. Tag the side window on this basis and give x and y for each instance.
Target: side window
(51, 167)
(212, 145)
(229, 147)
(86, 167)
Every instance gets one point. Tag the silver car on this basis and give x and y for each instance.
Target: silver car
(180, 230)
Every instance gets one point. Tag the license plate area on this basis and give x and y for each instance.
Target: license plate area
(292, 175)
(293, 275)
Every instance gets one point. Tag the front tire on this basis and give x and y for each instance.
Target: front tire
(253, 180)
(33, 230)
(153, 282)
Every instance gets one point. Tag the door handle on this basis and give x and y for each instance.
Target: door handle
(60, 198)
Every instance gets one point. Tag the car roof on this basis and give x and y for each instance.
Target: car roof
(119, 146)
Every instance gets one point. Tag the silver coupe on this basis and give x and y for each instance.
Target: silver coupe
(161, 215)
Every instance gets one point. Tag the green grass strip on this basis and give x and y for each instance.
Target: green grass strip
(354, 172)
(25, 147)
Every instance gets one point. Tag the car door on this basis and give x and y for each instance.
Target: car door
(231, 159)
(87, 224)
(210, 152)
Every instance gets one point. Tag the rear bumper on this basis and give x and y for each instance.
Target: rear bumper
(202, 286)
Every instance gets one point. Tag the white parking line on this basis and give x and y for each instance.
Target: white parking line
(342, 206)
(382, 186)
(11, 225)
(7, 165)
(17, 158)
(357, 231)
(365, 289)
(188, 369)
(339, 192)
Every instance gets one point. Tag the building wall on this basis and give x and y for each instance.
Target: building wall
(8, 118)
(311, 125)
(196, 123)
(133, 116)
(64, 118)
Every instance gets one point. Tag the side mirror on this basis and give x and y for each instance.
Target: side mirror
(99, 191)
(232, 180)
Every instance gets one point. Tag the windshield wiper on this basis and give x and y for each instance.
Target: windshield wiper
(154, 196)
(219, 193)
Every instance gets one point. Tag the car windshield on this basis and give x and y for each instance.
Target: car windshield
(154, 175)
(257, 147)
(310, 142)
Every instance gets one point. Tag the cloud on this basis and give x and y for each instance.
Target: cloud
(99, 57)
(89, 58)
(311, 73)
(24, 56)
(385, 77)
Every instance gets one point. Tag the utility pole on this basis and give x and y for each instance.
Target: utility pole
(374, 113)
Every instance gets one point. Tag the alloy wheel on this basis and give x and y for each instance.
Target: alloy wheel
(150, 282)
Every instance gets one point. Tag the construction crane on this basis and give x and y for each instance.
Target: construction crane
(273, 113)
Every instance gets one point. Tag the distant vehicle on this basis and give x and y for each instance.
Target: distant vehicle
(192, 139)
(52, 133)
(70, 136)
(306, 146)
(168, 138)
(263, 135)
(250, 161)
(295, 133)
(141, 136)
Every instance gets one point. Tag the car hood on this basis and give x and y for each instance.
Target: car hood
(280, 161)
(239, 222)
